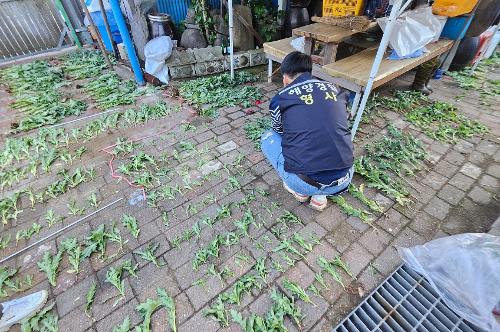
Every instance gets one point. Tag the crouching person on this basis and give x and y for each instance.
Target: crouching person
(310, 144)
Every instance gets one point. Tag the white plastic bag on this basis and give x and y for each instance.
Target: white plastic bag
(156, 51)
(465, 270)
(413, 30)
(298, 44)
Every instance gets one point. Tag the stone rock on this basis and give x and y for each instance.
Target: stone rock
(243, 39)
(209, 67)
(179, 58)
(257, 57)
(210, 167)
(193, 38)
(241, 60)
(182, 71)
(208, 54)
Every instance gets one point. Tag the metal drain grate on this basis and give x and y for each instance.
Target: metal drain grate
(405, 301)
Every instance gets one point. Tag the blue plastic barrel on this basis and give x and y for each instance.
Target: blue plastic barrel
(456, 27)
(99, 22)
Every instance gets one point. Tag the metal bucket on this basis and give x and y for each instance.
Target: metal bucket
(161, 25)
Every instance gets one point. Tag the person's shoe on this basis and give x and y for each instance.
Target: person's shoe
(318, 202)
(17, 310)
(421, 88)
(299, 197)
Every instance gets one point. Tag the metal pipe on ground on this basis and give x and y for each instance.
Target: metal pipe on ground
(50, 236)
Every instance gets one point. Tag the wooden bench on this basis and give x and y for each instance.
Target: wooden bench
(356, 68)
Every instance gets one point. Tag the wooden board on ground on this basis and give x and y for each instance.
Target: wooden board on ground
(356, 68)
(279, 49)
(323, 32)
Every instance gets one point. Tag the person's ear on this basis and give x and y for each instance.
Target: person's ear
(286, 80)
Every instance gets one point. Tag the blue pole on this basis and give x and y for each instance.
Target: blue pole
(122, 26)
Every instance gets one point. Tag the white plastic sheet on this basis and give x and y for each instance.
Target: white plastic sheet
(465, 270)
(156, 51)
(413, 30)
(298, 44)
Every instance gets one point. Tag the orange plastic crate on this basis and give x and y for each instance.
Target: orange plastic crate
(342, 7)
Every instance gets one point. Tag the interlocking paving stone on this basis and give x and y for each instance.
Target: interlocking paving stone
(471, 170)
(451, 194)
(437, 208)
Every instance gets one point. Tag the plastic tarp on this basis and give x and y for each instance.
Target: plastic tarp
(413, 30)
(156, 51)
(465, 270)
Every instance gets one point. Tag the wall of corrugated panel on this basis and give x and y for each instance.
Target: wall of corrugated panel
(178, 8)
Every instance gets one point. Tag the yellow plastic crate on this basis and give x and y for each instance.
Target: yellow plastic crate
(342, 7)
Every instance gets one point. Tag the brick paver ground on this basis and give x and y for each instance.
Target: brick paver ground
(458, 194)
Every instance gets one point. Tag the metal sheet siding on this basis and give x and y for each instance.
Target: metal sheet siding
(178, 8)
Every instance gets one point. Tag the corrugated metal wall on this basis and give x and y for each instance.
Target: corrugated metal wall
(178, 8)
(28, 26)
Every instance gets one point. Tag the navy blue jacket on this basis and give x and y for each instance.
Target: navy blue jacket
(312, 118)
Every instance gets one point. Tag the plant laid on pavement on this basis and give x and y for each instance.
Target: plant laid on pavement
(363, 215)
(337, 261)
(4, 242)
(51, 218)
(90, 297)
(218, 312)
(130, 223)
(114, 276)
(214, 92)
(124, 326)
(148, 308)
(9, 284)
(74, 251)
(169, 304)
(330, 268)
(44, 321)
(84, 63)
(358, 192)
(108, 91)
(28, 233)
(318, 276)
(148, 253)
(50, 265)
(74, 209)
(296, 290)
(275, 318)
(256, 128)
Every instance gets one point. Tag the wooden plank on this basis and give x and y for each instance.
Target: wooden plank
(324, 32)
(279, 49)
(357, 68)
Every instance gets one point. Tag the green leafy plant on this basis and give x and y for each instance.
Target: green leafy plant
(4, 242)
(130, 223)
(44, 321)
(219, 91)
(114, 276)
(359, 194)
(28, 233)
(74, 209)
(169, 304)
(329, 267)
(296, 290)
(73, 248)
(50, 265)
(148, 253)
(51, 218)
(89, 298)
(363, 215)
(255, 129)
(124, 326)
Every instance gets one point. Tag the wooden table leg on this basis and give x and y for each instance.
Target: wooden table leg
(270, 71)
(330, 53)
(308, 45)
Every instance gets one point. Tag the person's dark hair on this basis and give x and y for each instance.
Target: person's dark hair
(295, 63)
